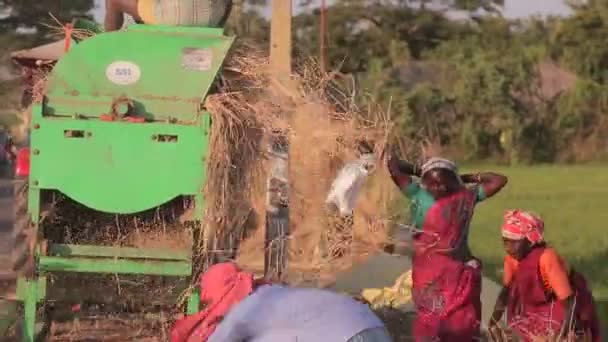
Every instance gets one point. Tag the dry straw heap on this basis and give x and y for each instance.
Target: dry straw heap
(324, 126)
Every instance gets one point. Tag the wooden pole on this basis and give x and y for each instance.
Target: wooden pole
(322, 34)
(277, 205)
(280, 37)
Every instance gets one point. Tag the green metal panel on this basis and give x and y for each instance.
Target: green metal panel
(117, 167)
(115, 266)
(121, 167)
(62, 250)
(166, 70)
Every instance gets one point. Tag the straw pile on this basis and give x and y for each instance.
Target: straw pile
(324, 127)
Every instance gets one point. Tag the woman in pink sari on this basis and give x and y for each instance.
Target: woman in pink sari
(446, 277)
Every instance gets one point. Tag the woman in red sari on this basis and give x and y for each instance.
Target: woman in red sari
(542, 295)
(446, 277)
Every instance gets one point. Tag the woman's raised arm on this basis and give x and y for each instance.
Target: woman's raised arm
(491, 182)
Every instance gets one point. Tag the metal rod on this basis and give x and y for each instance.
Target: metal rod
(29, 308)
(277, 209)
(23, 288)
(115, 266)
(193, 302)
(62, 250)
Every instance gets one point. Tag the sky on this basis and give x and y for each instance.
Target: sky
(513, 8)
(524, 8)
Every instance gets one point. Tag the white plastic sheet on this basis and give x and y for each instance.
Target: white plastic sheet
(347, 185)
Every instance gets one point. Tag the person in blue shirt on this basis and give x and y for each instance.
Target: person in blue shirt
(242, 309)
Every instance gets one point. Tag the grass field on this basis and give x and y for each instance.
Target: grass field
(573, 201)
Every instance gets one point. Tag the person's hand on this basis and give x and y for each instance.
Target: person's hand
(390, 158)
(392, 152)
(570, 336)
(496, 333)
(384, 156)
(471, 178)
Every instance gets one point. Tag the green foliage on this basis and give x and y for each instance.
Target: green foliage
(472, 5)
(483, 92)
(248, 24)
(359, 32)
(478, 87)
(35, 13)
(33, 16)
(579, 41)
(491, 76)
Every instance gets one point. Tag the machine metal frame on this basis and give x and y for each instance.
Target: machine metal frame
(122, 129)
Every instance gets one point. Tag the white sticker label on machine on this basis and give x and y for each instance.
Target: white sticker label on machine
(123, 73)
(197, 59)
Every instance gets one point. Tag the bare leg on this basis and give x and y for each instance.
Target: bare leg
(115, 10)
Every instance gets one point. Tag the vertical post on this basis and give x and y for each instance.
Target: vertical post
(31, 296)
(280, 38)
(234, 20)
(277, 207)
(322, 35)
(193, 303)
(29, 308)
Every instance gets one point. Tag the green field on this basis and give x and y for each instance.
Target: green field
(573, 201)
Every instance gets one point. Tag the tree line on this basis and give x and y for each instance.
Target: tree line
(484, 87)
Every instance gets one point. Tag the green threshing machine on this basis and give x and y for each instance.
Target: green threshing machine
(122, 129)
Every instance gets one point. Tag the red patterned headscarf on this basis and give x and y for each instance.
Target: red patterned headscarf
(519, 225)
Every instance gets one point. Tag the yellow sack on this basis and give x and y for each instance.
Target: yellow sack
(396, 296)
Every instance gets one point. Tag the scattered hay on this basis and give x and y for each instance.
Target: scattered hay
(236, 157)
(324, 127)
(72, 223)
(118, 327)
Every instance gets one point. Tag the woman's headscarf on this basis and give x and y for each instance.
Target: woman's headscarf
(439, 163)
(222, 286)
(519, 225)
